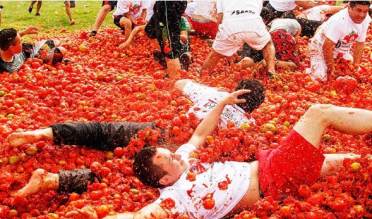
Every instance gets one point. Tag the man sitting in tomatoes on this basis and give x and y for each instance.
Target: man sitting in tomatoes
(216, 190)
(335, 39)
(13, 53)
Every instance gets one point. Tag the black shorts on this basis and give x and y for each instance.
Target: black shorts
(248, 51)
(117, 21)
(269, 13)
(111, 3)
(72, 3)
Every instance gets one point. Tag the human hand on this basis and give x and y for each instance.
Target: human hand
(232, 98)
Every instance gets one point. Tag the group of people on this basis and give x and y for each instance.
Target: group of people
(254, 32)
(68, 5)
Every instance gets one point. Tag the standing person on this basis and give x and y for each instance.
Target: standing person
(38, 7)
(165, 26)
(336, 37)
(107, 6)
(239, 23)
(68, 5)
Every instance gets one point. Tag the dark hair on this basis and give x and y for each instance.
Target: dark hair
(7, 37)
(254, 98)
(354, 3)
(146, 170)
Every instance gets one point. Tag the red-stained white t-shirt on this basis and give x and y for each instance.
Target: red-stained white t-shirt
(188, 195)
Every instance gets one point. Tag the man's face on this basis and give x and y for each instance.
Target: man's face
(16, 46)
(358, 13)
(171, 163)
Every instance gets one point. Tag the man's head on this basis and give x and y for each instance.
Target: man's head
(358, 10)
(158, 167)
(254, 98)
(10, 41)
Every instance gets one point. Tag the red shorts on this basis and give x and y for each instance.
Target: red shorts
(208, 29)
(282, 170)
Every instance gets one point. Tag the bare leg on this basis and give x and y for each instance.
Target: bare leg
(101, 17)
(344, 119)
(334, 162)
(31, 6)
(131, 36)
(127, 25)
(68, 12)
(173, 68)
(269, 56)
(40, 180)
(19, 138)
(38, 7)
(212, 60)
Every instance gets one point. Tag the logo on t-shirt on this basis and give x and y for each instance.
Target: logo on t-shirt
(347, 40)
(238, 12)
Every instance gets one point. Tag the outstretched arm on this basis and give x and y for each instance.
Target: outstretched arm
(210, 122)
(150, 211)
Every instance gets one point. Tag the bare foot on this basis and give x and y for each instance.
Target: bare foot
(34, 184)
(72, 22)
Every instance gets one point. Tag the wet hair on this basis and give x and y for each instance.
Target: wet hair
(254, 98)
(364, 2)
(144, 168)
(7, 37)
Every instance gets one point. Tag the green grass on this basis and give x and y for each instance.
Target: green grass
(53, 16)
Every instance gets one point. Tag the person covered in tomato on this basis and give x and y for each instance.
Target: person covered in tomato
(97, 135)
(148, 5)
(336, 37)
(205, 98)
(283, 33)
(203, 19)
(195, 187)
(107, 6)
(13, 53)
(239, 23)
(169, 28)
(128, 14)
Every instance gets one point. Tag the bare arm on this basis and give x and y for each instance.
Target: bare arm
(357, 54)
(210, 122)
(150, 211)
(219, 18)
(306, 4)
(328, 48)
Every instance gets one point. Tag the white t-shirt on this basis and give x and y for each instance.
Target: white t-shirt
(125, 6)
(315, 13)
(205, 9)
(283, 5)
(206, 98)
(290, 25)
(149, 5)
(240, 16)
(341, 30)
(188, 195)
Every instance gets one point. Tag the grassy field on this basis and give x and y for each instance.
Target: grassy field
(53, 16)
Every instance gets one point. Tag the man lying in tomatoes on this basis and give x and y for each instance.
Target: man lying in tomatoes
(196, 188)
(13, 53)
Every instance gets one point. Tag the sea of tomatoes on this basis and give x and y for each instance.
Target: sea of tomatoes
(103, 83)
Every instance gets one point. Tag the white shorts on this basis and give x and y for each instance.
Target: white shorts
(229, 45)
(206, 98)
(318, 67)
